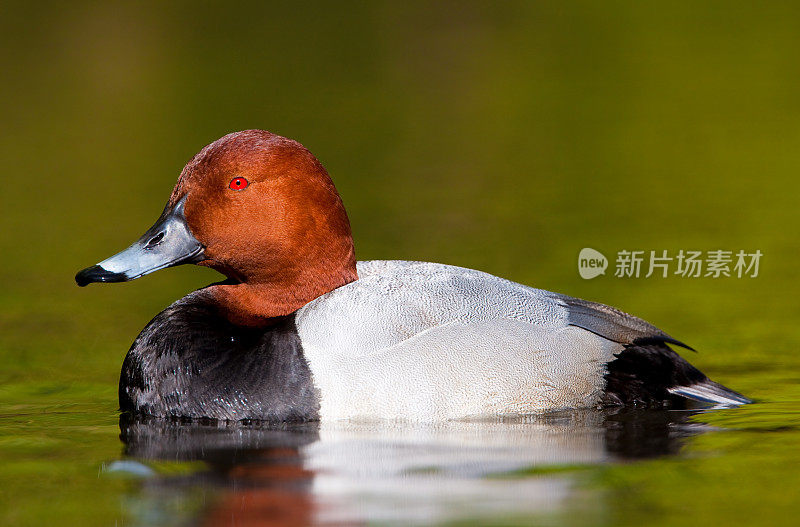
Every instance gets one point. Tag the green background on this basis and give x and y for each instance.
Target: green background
(502, 136)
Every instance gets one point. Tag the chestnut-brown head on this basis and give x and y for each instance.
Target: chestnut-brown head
(260, 209)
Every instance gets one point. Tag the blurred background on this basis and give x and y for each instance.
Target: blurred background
(501, 136)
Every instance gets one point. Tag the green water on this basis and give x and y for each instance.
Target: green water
(498, 136)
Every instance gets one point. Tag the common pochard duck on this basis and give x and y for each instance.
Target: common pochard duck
(300, 330)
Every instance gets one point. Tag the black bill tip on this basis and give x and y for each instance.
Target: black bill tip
(96, 273)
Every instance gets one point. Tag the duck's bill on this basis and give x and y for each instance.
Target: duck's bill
(167, 243)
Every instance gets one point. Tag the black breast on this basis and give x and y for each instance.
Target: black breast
(190, 362)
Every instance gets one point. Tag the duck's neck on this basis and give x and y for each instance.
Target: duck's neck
(261, 303)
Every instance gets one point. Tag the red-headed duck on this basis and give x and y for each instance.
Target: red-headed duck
(300, 330)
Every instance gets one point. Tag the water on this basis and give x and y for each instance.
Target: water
(391, 473)
(504, 138)
(613, 467)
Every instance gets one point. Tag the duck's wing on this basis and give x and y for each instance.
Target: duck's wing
(395, 300)
(611, 323)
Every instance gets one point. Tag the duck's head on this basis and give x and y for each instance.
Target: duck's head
(258, 208)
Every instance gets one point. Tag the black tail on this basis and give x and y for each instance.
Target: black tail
(654, 375)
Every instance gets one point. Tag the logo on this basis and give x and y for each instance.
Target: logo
(591, 263)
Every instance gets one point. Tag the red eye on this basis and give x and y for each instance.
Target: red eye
(238, 183)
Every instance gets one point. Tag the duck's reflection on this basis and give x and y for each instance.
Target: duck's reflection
(248, 475)
(345, 473)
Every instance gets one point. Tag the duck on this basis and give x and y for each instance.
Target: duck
(299, 330)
